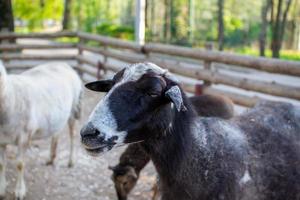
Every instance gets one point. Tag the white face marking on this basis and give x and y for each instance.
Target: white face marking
(102, 117)
(136, 71)
(245, 178)
(103, 120)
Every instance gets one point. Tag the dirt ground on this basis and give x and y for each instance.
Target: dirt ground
(89, 179)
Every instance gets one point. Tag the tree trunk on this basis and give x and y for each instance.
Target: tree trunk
(67, 12)
(276, 30)
(6, 16)
(283, 23)
(220, 24)
(278, 27)
(153, 27)
(167, 22)
(264, 25)
(146, 13)
(191, 21)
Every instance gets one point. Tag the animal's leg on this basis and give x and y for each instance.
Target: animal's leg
(53, 148)
(72, 133)
(2, 172)
(20, 190)
(156, 193)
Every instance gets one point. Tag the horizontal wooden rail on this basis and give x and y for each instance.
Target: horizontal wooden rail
(108, 41)
(4, 35)
(85, 60)
(131, 52)
(207, 75)
(23, 66)
(243, 83)
(264, 64)
(239, 99)
(89, 70)
(36, 57)
(107, 66)
(11, 47)
(123, 56)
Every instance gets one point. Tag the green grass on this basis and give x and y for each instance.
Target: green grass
(284, 54)
(72, 40)
(116, 31)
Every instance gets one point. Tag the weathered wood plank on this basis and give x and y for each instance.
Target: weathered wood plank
(264, 64)
(36, 57)
(4, 35)
(103, 40)
(12, 47)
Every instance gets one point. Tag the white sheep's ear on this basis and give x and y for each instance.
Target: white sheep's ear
(174, 94)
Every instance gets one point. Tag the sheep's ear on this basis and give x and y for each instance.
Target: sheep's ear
(174, 94)
(100, 86)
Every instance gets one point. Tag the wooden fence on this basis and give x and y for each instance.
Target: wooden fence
(187, 62)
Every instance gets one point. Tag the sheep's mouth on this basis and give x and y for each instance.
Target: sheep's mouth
(96, 151)
(95, 147)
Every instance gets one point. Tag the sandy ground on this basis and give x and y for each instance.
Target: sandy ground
(88, 179)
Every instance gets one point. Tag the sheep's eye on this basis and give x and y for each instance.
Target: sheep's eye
(151, 86)
(153, 94)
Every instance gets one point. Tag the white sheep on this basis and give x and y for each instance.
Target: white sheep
(35, 104)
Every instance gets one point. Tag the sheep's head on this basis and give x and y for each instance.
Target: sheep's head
(139, 100)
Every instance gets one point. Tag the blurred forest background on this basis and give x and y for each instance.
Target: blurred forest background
(254, 27)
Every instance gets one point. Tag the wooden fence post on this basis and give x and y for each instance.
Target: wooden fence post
(101, 70)
(207, 64)
(101, 65)
(105, 57)
(80, 53)
(5, 61)
(199, 88)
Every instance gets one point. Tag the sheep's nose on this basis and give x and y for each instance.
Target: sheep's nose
(89, 131)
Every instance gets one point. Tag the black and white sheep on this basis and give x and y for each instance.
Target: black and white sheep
(253, 156)
(35, 104)
(134, 158)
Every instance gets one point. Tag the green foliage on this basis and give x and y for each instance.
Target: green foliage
(116, 18)
(123, 32)
(35, 12)
(67, 40)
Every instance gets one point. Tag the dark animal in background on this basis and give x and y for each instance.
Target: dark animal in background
(252, 156)
(126, 173)
(134, 159)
